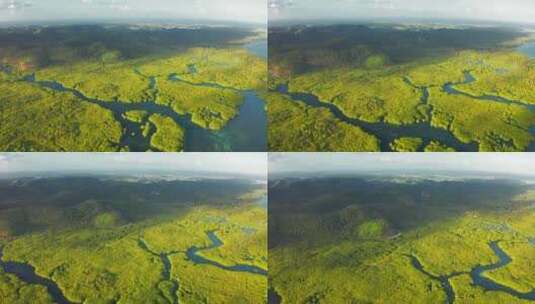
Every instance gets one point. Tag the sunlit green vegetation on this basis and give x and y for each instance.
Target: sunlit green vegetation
(237, 249)
(506, 74)
(325, 231)
(519, 267)
(371, 229)
(169, 135)
(235, 68)
(136, 116)
(86, 263)
(210, 108)
(522, 254)
(104, 81)
(468, 119)
(331, 276)
(120, 269)
(146, 129)
(102, 250)
(380, 95)
(412, 80)
(294, 126)
(467, 293)
(199, 74)
(13, 290)
(218, 286)
(407, 144)
(435, 146)
(34, 119)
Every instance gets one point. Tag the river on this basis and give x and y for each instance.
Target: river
(444, 280)
(258, 47)
(469, 78)
(480, 280)
(273, 296)
(167, 268)
(477, 275)
(193, 254)
(528, 49)
(246, 132)
(27, 274)
(387, 133)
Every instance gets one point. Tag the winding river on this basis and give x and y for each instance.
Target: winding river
(469, 78)
(193, 254)
(246, 132)
(488, 284)
(387, 133)
(477, 275)
(167, 268)
(273, 296)
(425, 95)
(444, 280)
(27, 274)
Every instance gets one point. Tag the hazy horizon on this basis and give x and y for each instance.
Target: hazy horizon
(225, 163)
(492, 163)
(34, 11)
(516, 11)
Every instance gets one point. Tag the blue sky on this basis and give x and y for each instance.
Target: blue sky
(243, 163)
(510, 163)
(499, 10)
(40, 10)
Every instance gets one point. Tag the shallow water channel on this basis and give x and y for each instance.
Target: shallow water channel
(246, 132)
(193, 254)
(387, 133)
(477, 275)
(27, 274)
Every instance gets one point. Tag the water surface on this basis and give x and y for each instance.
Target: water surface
(195, 257)
(273, 296)
(27, 274)
(386, 132)
(479, 279)
(258, 47)
(527, 49)
(247, 132)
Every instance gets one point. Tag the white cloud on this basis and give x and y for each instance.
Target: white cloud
(246, 163)
(501, 10)
(121, 5)
(236, 10)
(513, 163)
(12, 5)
